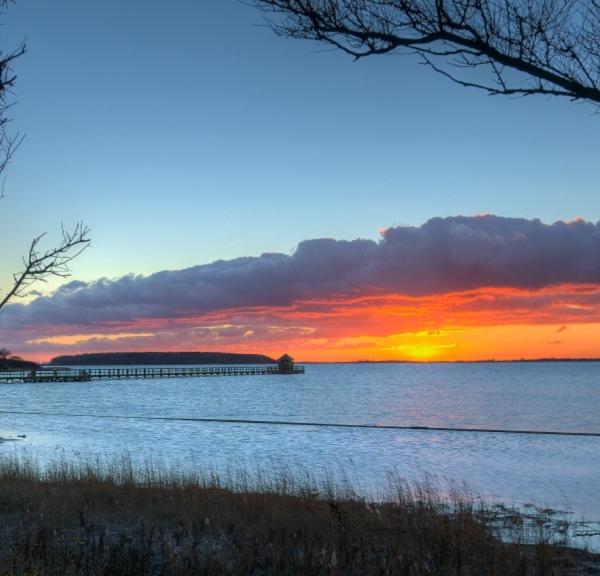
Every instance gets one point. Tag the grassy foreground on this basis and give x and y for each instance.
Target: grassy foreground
(114, 520)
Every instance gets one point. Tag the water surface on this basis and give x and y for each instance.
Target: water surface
(555, 471)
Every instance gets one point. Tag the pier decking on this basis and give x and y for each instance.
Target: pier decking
(90, 374)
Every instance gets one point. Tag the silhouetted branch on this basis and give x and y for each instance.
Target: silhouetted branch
(8, 143)
(38, 265)
(528, 47)
(41, 265)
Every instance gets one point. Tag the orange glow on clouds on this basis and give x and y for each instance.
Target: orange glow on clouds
(490, 323)
(73, 339)
(471, 344)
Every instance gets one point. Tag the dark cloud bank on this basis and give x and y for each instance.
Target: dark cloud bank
(442, 255)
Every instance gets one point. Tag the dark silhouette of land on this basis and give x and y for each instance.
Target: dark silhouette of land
(154, 358)
(225, 358)
(483, 361)
(486, 361)
(17, 364)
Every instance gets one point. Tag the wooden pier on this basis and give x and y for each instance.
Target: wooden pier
(91, 374)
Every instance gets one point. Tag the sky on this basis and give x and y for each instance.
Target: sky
(253, 193)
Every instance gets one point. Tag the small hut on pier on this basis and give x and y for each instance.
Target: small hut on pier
(286, 364)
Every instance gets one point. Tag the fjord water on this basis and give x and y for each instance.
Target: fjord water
(555, 471)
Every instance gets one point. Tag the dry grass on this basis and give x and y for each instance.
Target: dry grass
(115, 520)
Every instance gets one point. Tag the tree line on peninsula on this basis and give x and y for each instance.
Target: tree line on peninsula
(157, 358)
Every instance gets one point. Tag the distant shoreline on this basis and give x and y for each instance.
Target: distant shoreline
(489, 361)
(225, 358)
(158, 358)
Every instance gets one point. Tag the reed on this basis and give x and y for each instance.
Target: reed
(115, 518)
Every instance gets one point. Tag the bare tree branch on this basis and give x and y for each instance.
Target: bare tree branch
(8, 142)
(38, 265)
(549, 47)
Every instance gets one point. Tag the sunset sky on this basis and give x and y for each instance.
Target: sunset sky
(249, 193)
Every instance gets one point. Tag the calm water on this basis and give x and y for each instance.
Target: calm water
(553, 471)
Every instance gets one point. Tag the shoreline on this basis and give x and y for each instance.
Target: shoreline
(114, 517)
(50, 365)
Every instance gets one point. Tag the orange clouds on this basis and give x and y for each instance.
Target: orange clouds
(456, 288)
(488, 323)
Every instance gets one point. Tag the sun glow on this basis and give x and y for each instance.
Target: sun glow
(488, 323)
(422, 351)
